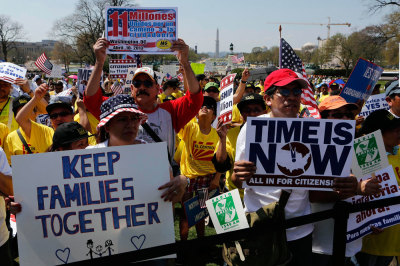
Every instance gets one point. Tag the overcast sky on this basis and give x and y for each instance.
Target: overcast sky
(246, 24)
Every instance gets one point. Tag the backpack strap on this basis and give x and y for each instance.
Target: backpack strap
(24, 141)
(155, 137)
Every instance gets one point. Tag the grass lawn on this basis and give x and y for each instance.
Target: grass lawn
(211, 256)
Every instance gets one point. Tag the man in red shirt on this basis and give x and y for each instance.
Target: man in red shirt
(165, 119)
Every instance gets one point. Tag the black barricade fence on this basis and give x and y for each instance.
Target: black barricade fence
(339, 213)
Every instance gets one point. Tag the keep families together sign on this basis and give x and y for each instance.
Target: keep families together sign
(85, 204)
(299, 153)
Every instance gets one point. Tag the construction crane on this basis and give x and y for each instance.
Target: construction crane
(328, 25)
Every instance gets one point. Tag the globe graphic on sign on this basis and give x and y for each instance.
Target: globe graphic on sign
(293, 159)
(370, 154)
(230, 213)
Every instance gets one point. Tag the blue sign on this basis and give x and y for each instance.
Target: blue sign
(361, 81)
(194, 212)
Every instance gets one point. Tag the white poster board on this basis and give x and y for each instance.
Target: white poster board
(128, 81)
(374, 102)
(80, 204)
(119, 67)
(169, 69)
(9, 72)
(226, 212)
(56, 72)
(359, 223)
(298, 153)
(226, 99)
(369, 154)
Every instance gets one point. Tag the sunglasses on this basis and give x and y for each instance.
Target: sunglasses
(212, 90)
(286, 92)
(251, 110)
(337, 115)
(62, 114)
(147, 83)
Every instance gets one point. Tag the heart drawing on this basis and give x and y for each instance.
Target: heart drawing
(63, 255)
(138, 241)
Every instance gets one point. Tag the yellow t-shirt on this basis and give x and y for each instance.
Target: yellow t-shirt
(93, 126)
(232, 136)
(40, 140)
(198, 150)
(386, 243)
(7, 113)
(3, 133)
(236, 117)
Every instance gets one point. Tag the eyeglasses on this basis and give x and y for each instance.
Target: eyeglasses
(341, 115)
(251, 110)
(212, 90)
(147, 83)
(62, 114)
(286, 92)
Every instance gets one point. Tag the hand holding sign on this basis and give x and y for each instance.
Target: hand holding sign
(369, 186)
(100, 48)
(41, 91)
(244, 170)
(23, 84)
(345, 186)
(183, 51)
(176, 189)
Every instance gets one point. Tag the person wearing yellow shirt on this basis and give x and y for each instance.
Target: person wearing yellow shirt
(39, 139)
(6, 114)
(201, 141)
(59, 111)
(323, 94)
(3, 133)
(381, 247)
(170, 87)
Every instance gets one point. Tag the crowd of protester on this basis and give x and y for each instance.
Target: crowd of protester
(37, 117)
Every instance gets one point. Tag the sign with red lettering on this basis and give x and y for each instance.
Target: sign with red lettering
(359, 223)
(298, 153)
(141, 30)
(226, 99)
(119, 67)
(86, 204)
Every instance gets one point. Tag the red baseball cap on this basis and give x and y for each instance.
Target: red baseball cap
(282, 77)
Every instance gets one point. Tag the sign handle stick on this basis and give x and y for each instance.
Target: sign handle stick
(240, 251)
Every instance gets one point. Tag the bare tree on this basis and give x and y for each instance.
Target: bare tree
(379, 4)
(10, 32)
(85, 26)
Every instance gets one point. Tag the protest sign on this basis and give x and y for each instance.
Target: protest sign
(83, 78)
(369, 154)
(227, 213)
(194, 212)
(169, 69)
(361, 82)
(359, 223)
(298, 153)
(197, 68)
(141, 30)
(119, 67)
(56, 72)
(9, 72)
(226, 99)
(85, 204)
(128, 82)
(374, 102)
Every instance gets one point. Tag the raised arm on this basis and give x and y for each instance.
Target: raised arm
(99, 48)
(183, 56)
(23, 116)
(240, 90)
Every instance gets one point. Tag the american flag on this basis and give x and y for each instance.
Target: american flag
(289, 59)
(117, 88)
(138, 61)
(44, 64)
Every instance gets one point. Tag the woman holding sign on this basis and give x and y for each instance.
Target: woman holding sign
(119, 125)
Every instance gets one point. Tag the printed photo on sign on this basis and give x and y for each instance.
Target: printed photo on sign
(361, 82)
(299, 153)
(374, 102)
(85, 204)
(144, 30)
(359, 223)
(227, 213)
(369, 154)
